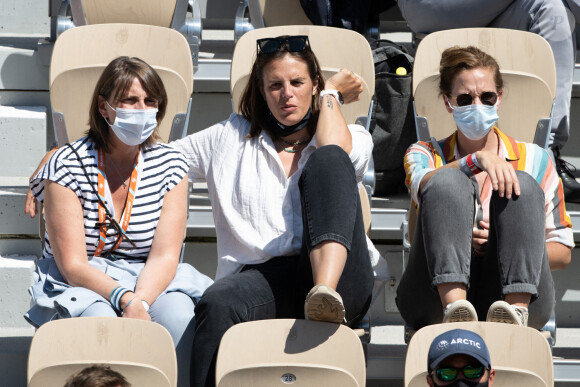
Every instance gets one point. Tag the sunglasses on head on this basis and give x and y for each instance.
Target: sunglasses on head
(470, 371)
(487, 98)
(295, 43)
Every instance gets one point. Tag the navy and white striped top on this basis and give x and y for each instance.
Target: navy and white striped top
(160, 169)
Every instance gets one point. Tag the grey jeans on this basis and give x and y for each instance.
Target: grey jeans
(516, 259)
(551, 19)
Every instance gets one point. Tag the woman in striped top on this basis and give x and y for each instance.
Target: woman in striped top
(115, 209)
(491, 217)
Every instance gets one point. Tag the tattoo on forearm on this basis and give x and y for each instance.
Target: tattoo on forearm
(329, 102)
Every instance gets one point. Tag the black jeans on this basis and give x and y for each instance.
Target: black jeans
(516, 259)
(277, 288)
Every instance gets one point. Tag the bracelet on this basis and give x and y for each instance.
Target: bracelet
(129, 303)
(337, 95)
(116, 295)
(469, 165)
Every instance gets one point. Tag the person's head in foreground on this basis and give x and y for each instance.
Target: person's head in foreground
(97, 375)
(459, 358)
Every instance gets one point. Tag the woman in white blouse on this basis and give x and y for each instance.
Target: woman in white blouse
(282, 178)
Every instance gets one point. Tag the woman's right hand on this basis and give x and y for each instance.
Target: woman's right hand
(31, 204)
(501, 173)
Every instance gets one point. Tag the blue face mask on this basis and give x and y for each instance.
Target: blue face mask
(133, 126)
(474, 121)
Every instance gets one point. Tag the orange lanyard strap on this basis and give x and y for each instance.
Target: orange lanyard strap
(103, 211)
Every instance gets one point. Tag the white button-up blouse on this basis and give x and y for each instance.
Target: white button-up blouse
(256, 208)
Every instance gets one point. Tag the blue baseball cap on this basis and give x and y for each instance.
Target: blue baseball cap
(457, 341)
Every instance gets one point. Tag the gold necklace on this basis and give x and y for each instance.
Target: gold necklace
(292, 144)
(118, 174)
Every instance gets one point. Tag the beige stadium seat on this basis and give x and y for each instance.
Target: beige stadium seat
(520, 356)
(80, 55)
(140, 350)
(286, 352)
(335, 48)
(268, 13)
(181, 15)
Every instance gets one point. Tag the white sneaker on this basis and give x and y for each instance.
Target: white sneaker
(324, 304)
(501, 311)
(459, 311)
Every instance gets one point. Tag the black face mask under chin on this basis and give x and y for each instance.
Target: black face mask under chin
(463, 383)
(281, 130)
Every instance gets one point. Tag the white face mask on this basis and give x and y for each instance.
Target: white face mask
(133, 126)
(474, 121)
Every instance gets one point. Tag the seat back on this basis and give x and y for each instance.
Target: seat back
(142, 351)
(527, 65)
(279, 12)
(80, 55)
(152, 12)
(297, 352)
(335, 48)
(521, 356)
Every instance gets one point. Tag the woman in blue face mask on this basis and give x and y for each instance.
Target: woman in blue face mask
(491, 219)
(115, 208)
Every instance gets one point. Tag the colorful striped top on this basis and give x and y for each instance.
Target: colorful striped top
(422, 158)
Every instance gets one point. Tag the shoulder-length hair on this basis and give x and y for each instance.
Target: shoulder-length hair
(114, 83)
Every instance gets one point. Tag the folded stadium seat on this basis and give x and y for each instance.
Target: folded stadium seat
(268, 13)
(527, 65)
(80, 55)
(181, 15)
(140, 350)
(284, 351)
(520, 356)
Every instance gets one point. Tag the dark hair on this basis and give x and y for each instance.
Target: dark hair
(98, 375)
(252, 104)
(456, 59)
(115, 82)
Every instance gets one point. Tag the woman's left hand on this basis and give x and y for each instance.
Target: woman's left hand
(348, 83)
(136, 309)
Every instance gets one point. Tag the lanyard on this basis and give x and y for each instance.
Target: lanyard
(102, 211)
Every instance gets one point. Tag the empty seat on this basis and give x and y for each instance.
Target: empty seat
(181, 15)
(284, 351)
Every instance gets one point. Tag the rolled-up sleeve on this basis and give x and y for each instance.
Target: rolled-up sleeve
(418, 162)
(558, 223)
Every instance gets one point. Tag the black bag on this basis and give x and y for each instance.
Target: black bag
(392, 123)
